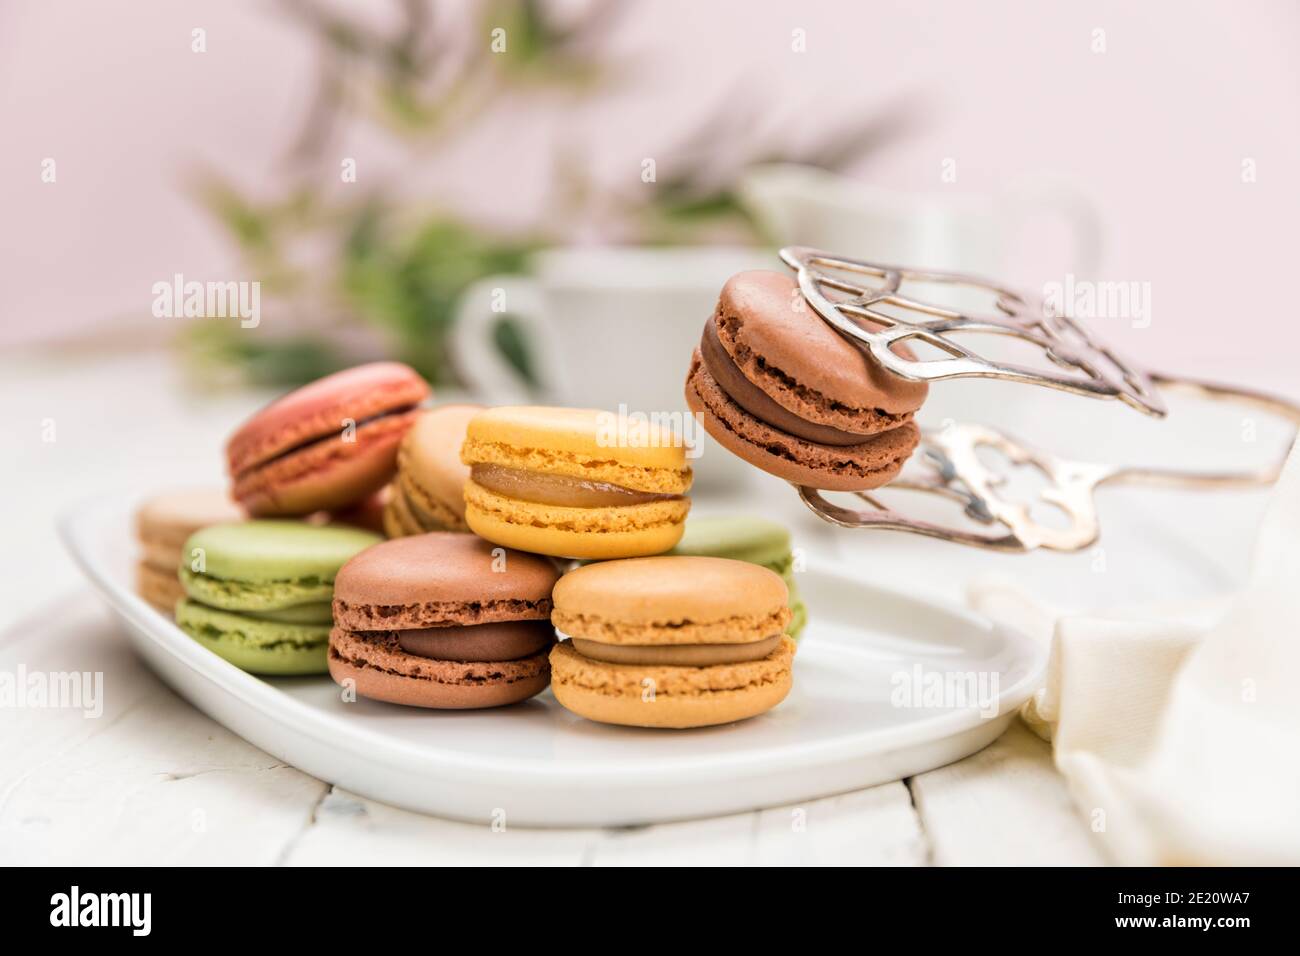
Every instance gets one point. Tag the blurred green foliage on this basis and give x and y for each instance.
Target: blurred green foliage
(408, 286)
(396, 273)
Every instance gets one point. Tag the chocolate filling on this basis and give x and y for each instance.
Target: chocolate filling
(757, 402)
(330, 436)
(676, 655)
(560, 490)
(502, 641)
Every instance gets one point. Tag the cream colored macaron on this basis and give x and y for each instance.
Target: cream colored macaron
(428, 494)
(162, 525)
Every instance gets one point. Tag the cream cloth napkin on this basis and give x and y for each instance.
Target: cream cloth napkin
(1178, 728)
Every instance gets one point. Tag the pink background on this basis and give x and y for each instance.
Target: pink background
(1154, 130)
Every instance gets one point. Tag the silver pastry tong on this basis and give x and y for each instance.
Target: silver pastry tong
(868, 304)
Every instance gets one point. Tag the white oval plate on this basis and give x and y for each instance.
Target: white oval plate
(539, 765)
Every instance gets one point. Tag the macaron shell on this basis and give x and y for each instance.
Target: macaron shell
(326, 475)
(800, 361)
(430, 513)
(367, 514)
(748, 538)
(593, 533)
(268, 565)
(798, 613)
(399, 522)
(872, 464)
(740, 537)
(429, 463)
(164, 522)
(682, 696)
(321, 408)
(387, 673)
(232, 595)
(441, 578)
(162, 589)
(580, 443)
(753, 399)
(671, 600)
(272, 551)
(162, 557)
(255, 645)
(392, 524)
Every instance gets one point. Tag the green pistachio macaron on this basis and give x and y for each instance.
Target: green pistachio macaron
(258, 593)
(257, 645)
(745, 538)
(267, 565)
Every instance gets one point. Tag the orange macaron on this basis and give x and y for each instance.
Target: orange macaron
(327, 445)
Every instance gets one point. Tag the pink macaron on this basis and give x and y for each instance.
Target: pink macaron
(327, 445)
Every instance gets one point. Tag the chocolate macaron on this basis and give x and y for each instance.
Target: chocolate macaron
(443, 620)
(779, 387)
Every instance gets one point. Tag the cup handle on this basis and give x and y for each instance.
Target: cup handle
(1072, 206)
(479, 362)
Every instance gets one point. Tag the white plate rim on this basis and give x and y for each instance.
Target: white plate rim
(334, 731)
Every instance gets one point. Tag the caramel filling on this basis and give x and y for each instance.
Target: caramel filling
(676, 655)
(558, 489)
(501, 641)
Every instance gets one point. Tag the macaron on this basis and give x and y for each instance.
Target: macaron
(429, 492)
(747, 538)
(671, 641)
(443, 620)
(162, 524)
(782, 389)
(367, 514)
(575, 483)
(255, 644)
(258, 593)
(327, 445)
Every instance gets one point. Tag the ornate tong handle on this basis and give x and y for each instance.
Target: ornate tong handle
(952, 468)
(892, 317)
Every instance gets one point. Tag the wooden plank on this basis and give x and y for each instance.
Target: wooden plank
(150, 781)
(717, 841)
(1004, 806)
(873, 827)
(346, 827)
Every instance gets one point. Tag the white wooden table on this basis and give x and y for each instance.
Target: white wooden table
(155, 781)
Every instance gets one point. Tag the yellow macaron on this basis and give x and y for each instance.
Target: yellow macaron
(575, 483)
